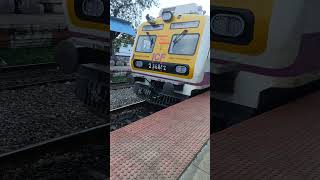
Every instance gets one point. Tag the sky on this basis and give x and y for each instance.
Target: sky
(154, 11)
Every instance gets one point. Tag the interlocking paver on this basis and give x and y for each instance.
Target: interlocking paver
(280, 144)
(163, 144)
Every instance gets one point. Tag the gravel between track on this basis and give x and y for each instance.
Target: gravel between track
(89, 163)
(39, 113)
(122, 97)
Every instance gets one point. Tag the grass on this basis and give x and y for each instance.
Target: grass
(21, 56)
(119, 79)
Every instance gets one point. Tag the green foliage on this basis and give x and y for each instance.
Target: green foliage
(119, 79)
(122, 38)
(21, 56)
(131, 10)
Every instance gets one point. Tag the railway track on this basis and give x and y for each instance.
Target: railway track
(28, 66)
(16, 77)
(120, 117)
(52, 150)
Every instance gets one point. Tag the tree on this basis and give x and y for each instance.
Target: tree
(131, 10)
(119, 39)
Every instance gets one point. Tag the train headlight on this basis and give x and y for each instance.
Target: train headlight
(138, 64)
(227, 25)
(93, 8)
(167, 16)
(181, 69)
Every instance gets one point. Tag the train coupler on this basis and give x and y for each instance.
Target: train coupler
(157, 96)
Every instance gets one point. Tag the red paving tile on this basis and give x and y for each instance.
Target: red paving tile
(281, 144)
(162, 145)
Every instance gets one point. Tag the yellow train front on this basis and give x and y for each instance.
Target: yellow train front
(88, 27)
(170, 59)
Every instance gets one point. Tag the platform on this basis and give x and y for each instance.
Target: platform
(199, 168)
(162, 145)
(281, 144)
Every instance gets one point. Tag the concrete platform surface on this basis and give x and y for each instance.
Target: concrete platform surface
(162, 145)
(199, 169)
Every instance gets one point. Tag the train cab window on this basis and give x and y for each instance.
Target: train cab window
(145, 43)
(184, 25)
(184, 44)
(152, 27)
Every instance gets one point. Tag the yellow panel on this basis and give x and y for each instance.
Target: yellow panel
(165, 35)
(262, 10)
(81, 23)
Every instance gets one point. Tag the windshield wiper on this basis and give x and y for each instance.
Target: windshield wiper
(180, 36)
(151, 40)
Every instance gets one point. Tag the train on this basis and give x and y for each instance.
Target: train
(263, 55)
(170, 60)
(87, 51)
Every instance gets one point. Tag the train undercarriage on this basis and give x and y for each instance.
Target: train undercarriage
(161, 93)
(92, 85)
(158, 93)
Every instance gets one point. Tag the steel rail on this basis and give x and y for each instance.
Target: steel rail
(7, 69)
(69, 143)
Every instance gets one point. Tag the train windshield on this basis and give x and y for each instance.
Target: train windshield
(146, 43)
(184, 44)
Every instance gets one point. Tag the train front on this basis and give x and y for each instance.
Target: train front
(87, 51)
(170, 55)
(265, 55)
(88, 28)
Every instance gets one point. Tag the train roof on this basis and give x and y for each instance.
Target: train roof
(192, 8)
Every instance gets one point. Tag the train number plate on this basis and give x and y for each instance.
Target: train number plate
(157, 67)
